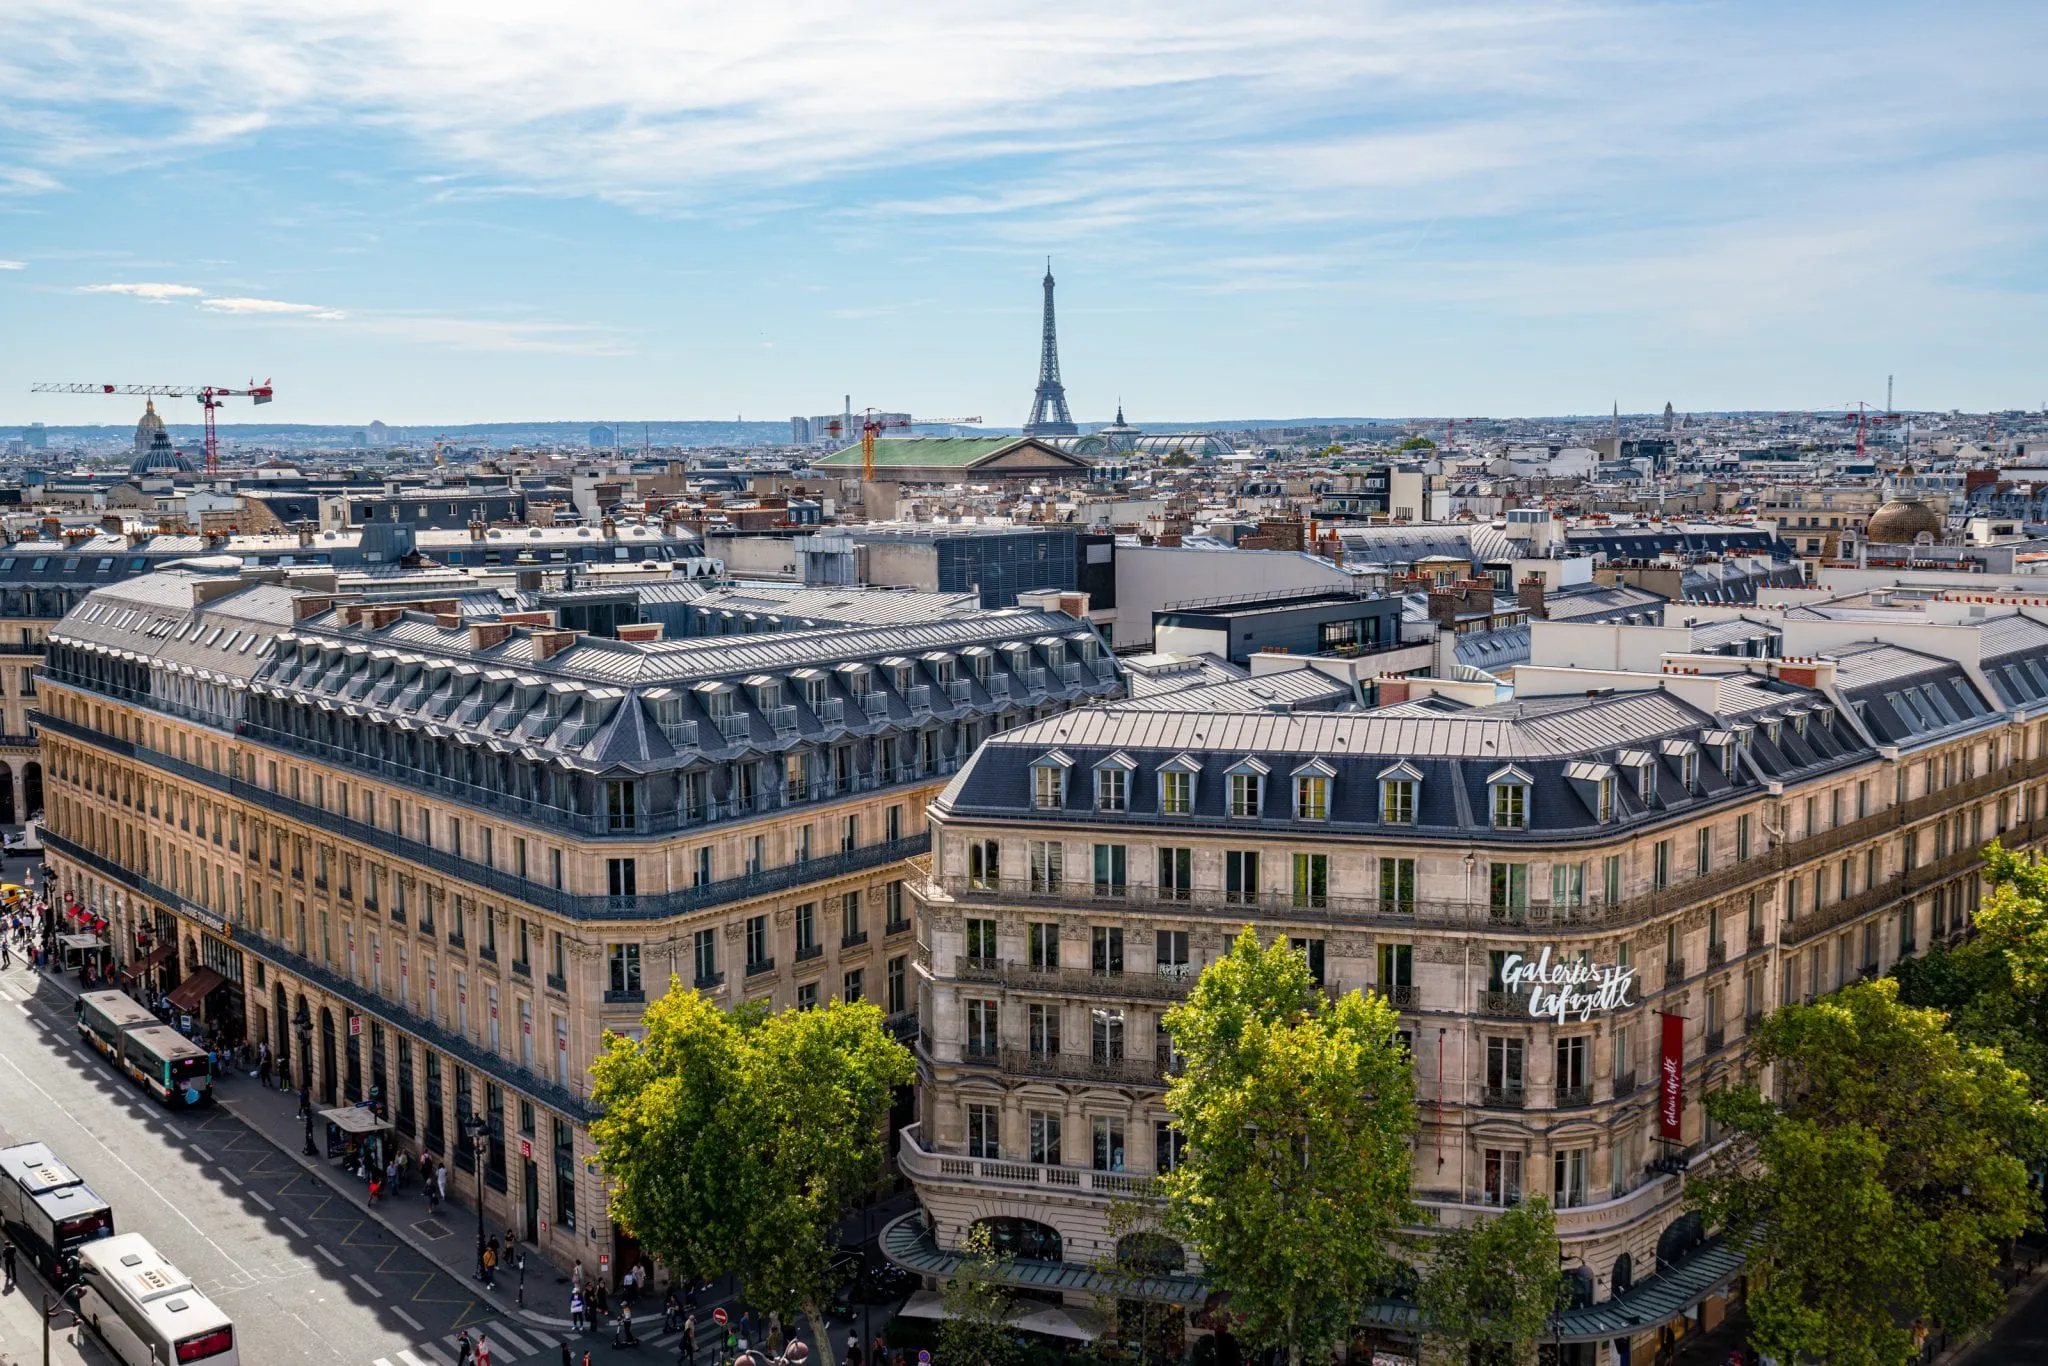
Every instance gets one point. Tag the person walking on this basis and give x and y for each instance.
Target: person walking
(465, 1350)
(623, 1336)
(579, 1313)
(690, 1335)
(483, 1347)
(7, 1264)
(491, 1264)
(567, 1360)
(441, 1182)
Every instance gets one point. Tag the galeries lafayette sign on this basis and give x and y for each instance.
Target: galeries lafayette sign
(1568, 988)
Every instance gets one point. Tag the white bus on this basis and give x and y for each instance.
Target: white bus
(146, 1310)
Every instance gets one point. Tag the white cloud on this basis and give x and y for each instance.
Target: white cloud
(13, 265)
(154, 293)
(271, 307)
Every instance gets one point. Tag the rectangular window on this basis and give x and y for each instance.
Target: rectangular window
(1106, 1035)
(984, 864)
(807, 929)
(981, 940)
(1571, 1068)
(1703, 853)
(1046, 782)
(1048, 858)
(1397, 885)
(1311, 879)
(624, 962)
(1176, 874)
(1610, 879)
(705, 957)
(1568, 1177)
(983, 1132)
(1107, 959)
(850, 928)
(1044, 1127)
(1503, 1065)
(1241, 877)
(1313, 951)
(1503, 1178)
(1508, 887)
(1244, 794)
(1109, 1144)
(1109, 870)
(1568, 884)
(1396, 966)
(1312, 798)
(1176, 792)
(983, 1030)
(1510, 806)
(898, 985)
(1660, 864)
(1397, 801)
(1043, 1027)
(1742, 839)
(622, 876)
(565, 1176)
(1042, 940)
(1170, 953)
(1112, 787)
(758, 955)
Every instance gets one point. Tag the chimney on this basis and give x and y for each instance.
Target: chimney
(609, 529)
(448, 621)
(53, 527)
(476, 531)
(75, 534)
(305, 533)
(137, 538)
(548, 644)
(1529, 597)
(111, 523)
(527, 618)
(1390, 689)
(484, 634)
(641, 631)
(381, 617)
(310, 605)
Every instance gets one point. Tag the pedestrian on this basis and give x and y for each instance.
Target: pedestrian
(578, 1313)
(441, 1181)
(690, 1335)
(483, 1347)
(623, 1336)
(391, 1176)
(566, 1360)
(586, 1356)
(601, 1302)
(376, 1187)
(465, 1350)
(491, 1265)
(878, 1351)
(7, 1263)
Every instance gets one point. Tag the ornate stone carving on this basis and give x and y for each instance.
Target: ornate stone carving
(1351, 945)
(1439, 951)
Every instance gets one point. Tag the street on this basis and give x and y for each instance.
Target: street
(307, 1274)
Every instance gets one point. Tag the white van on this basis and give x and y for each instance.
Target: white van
(146, 1310)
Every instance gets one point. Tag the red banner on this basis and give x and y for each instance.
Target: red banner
(1671, 1096)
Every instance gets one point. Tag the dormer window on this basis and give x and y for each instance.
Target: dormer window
(1689, 771)
(1247, 789)
(1049, 781)
(902, 677)
(1177, 786)
(1771, 729)
(1312, 791)
(1113, 783)
(1604, 811)
(1510, 799)
(1799, 724)
(1399, 787)
(1594, 782)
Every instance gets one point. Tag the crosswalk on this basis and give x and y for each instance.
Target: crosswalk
(509, 1343)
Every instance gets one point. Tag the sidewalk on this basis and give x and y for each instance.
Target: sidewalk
(275, 1115)
(21, 1330)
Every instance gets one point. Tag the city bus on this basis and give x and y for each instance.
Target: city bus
(169, 1064)
(48, 1210)
(146, 1310)
(104, 1016)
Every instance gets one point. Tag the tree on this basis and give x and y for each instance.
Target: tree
(1994, 988)
(1415, 443)
(734, 1142)
(978, 1301)
(1491, 1287)
(1298, 1114)
(1876, 1192)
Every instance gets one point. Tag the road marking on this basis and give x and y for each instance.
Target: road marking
(292, 1226)
(520, 1346)
(409, 1320)
(261, 1201)
(332, 1260)
(231, 1176)
(364, 1284)
(434, 1356)
(410, 1360)
(64, 1110)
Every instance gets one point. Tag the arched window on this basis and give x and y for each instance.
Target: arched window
(1679, 1238)
(1025, 1238)
(1623, 1277)
(1153, 1254)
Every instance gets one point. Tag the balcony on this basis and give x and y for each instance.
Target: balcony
(522, 969)
(854, 940)
(759, 966)
(784, 720)
(921, 1164)
(1399, 997)
(1674, 973)
(1120, 1071)
(487, 953)
(1138, 986)
(959, 690)
(875, 705)
(919, 698)
(1717, 953)
(831, 711)
(557, 982)
(630, 997)
(1756, 936)
(1624, 1085)
(1717, 1039)
(737, 729)
(1568, 1096)
(711, 983)
(1502, 1003)
(682, 735)
(1501, 1097)
(806, 952)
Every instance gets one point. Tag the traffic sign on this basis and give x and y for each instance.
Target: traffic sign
(924, 1358)
(718, 1317)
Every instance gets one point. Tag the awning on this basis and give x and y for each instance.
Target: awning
(155, 956)
(195, 988)
(81, 942)
(355, 1119)
(1027, 1316)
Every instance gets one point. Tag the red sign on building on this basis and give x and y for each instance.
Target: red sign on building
(1671, 1096)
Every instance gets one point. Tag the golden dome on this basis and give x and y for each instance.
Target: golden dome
(147, 429)
(1901, 521)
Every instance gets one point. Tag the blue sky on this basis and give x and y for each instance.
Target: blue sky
(427, 212)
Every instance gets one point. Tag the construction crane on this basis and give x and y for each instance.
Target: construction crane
(874, 422)
(209, 396)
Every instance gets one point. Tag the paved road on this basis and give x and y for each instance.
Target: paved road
(307, 1276)
(2021, 1340)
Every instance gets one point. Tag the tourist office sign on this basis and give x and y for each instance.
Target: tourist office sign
(1562, 988)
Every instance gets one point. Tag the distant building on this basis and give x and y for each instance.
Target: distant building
(36, 438)
(800, 431)
(603, 436)
(149, 428)
(960, 459)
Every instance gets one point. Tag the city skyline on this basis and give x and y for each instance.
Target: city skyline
(1383, 209)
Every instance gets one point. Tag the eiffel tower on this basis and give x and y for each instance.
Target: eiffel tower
(1049, 415)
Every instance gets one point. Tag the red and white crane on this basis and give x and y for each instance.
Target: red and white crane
(209, 396)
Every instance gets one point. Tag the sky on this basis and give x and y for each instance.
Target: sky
(424, 212)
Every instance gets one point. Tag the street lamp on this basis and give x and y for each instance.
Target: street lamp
(477, 1130)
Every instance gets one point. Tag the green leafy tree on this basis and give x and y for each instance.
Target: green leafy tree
(1876, 1193)
(1298, 1113)
(1994, 987)
(1491, 1287)
(1416, 443)
(734, 1142)
(978, 1302)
